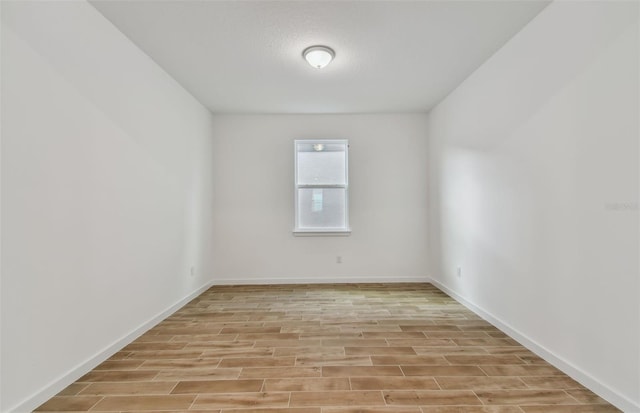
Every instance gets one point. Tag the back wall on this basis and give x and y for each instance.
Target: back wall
(254, 207)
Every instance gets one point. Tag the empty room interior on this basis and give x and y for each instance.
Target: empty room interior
(320, 206)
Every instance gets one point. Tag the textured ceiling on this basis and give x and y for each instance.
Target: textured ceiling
(246, 56)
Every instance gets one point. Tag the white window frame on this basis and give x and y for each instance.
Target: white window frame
(341, 231)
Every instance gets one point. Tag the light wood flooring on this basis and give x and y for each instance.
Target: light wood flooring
(339, 348)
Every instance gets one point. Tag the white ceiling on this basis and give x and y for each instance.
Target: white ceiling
(246, 56)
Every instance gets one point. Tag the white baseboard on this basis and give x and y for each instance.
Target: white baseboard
(620, 401)
(318, 280)
(53, 388)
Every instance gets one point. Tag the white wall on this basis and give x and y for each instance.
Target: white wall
(534, 192)
(254, 205)
(106, 195)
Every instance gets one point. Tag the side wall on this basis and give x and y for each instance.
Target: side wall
(106, 195)
(254, 206)
(534, 192)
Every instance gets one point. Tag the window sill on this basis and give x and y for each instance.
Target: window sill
(321, 233)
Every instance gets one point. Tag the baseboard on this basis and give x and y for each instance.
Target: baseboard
(83, 368)
(318, 280)
(618, 400)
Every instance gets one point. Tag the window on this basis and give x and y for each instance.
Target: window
(321, 187)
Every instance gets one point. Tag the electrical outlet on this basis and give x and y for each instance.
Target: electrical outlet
(339, 259)
(459, 272)
(193, 271)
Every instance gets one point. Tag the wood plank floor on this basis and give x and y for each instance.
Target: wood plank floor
(339, 348)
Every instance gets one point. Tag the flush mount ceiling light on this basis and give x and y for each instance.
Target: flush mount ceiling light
(318, 56)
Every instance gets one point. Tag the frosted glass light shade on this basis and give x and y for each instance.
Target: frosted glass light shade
(318, 56)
